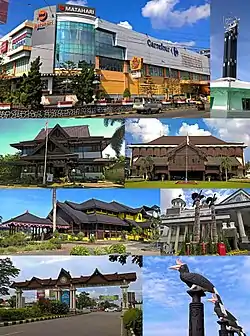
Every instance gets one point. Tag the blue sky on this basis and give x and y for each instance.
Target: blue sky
(165, 301)
(228, 8)
(166, 195)
(16, 130)
(184, 21)
(147, 129)
(14, 202)
(50, 266)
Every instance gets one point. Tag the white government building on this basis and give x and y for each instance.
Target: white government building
(232, 217)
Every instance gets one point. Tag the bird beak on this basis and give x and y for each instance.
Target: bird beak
(175, 267)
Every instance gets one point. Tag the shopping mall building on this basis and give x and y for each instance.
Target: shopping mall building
(122, 57)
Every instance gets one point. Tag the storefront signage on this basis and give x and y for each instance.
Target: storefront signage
(77, 9)
(65, 297)
(136, 63)
(42, 21)
(4, 47)
(160, 46)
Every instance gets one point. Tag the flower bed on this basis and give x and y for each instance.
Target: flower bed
(112, 249)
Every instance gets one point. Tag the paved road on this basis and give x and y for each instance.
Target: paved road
(182, 113)
(93, 324)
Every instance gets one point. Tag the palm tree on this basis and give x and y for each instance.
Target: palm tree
(146, 166)
(211, 201)
(118, 136)
(197, 224)
(226, 165)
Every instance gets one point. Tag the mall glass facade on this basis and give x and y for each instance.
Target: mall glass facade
(105, 46)
(75, 42)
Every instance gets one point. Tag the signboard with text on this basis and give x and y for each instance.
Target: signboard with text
(109, 297)
(65, 297)
(160, 46)
(4, 47)
(67, 8)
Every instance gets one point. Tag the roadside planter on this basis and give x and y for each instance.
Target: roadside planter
(5, 106)
(64, 104)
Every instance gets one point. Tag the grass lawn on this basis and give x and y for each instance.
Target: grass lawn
(199, 185)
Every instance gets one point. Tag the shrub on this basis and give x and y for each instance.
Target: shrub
(116, 249)
(12, 249)
(126, 93)
(92, 239)
(133, 319)
(58, 308)
(80, 236)
(19, 314)
(80, 250)
(44, 305)
(99, 251)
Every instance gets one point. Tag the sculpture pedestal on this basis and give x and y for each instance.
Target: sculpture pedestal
(196, 314)
(223, 328)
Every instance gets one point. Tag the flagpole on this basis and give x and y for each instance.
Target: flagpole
(186, 177)
(54, 208)
(46, 152)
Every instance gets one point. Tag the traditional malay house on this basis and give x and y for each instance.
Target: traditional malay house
(92, 218)
(201, 157)
(68, 151)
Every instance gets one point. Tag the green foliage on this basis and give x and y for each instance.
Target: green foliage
(118, 136)
(126, 93)
(133, 319)
(80, 236)
(9, 172)
(83, 301)
(17, 239)
(5, 84)
(82, 85)
(59, 308)
(19, 314)
(227, 245)
(116, 249)
(183, 249)
(7, 271)
(198, 249)
(92, 239)
(122, 259)
(44, 305)
(31, 86)
(99, 251)
(79, 250)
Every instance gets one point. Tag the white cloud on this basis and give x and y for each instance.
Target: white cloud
(146, 129)
(125, 24)
(192, 130)
(109, 151)
(162, 13)
(77, 2)
(166, 196)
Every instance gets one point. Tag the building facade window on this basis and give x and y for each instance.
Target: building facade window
(75, 41)
(195, 76)
(173, 73)
(111, 64)
(155, 71)
(105, 45)
(22, 65)
(184, 75)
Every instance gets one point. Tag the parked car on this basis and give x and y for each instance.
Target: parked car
(110, 310)
(147, 105)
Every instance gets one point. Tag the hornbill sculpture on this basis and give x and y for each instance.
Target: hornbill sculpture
(229, 318)
(196, 282)
(197, 197)
(211, 200)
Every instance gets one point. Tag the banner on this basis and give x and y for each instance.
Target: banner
(65, 297)
(109, 297)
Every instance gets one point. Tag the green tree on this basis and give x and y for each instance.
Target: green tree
(7, 271)
(118, 136)
(83, 84)
(122, 259)
(31, 86)
(147, 167)
(9, 171)
(12, 301)
(67, 74)
(5, 84)
(83, 301)
(126, 93)
(226, 165)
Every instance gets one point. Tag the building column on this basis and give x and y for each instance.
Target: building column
(72, 298)
(19, 301)
(169, 235)
(124, 288)
(244, 238)
(185, 231)
(176, 244)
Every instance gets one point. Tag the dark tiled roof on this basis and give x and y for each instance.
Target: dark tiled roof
(79, 216)
(93, 204)
(158, 161)
(143, 225)
(216, 161)
(96, 278)
(106, 219)
(196, 140)
(72, 131)
(124, 208)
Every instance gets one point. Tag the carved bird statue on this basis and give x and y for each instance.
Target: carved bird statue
(197, 197)
(211, 200)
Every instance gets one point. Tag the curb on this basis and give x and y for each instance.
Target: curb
(131, 332)
(10, 323)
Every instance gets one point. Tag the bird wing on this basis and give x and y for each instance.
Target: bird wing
(230, 316)
(199, 280)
